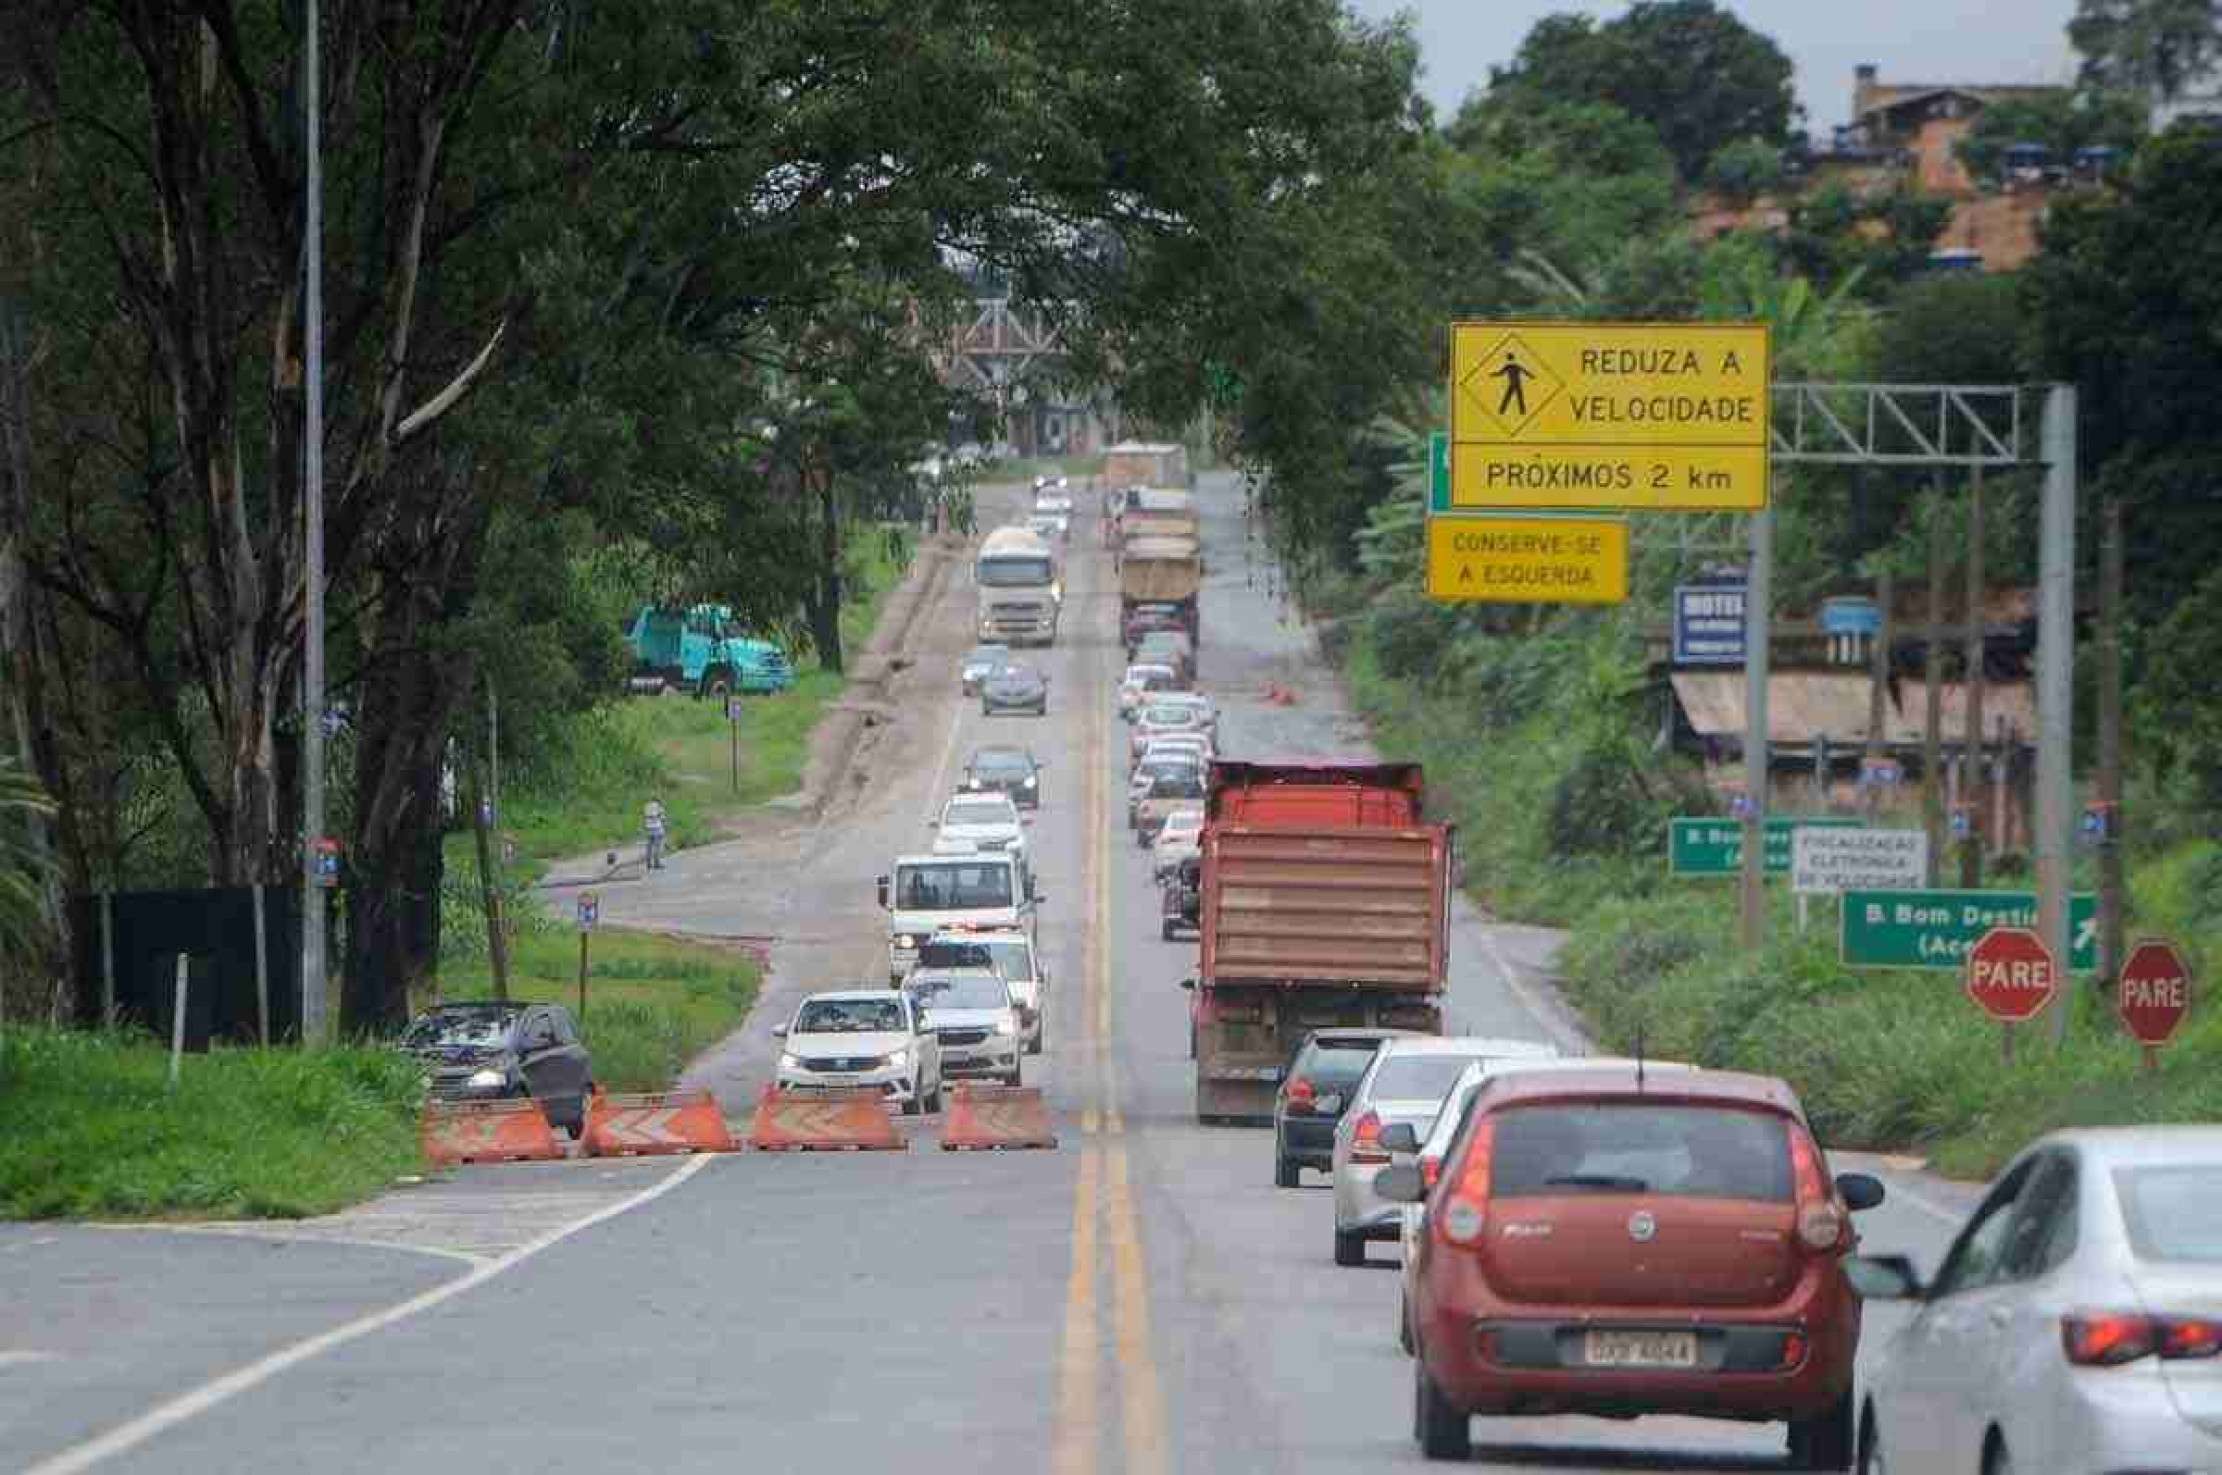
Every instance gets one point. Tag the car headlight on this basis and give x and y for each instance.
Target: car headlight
(899, 1059)
(487, 1079)
(906, 941)
(1029, 784)
(789, 1062)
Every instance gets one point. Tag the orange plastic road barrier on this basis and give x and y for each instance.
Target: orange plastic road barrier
(991, 1118)
(488, 1132)
(823, 1121)
(656, 1122)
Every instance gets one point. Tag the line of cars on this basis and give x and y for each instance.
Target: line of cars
(1172, 738)
(965, 993)
(1588, 1236)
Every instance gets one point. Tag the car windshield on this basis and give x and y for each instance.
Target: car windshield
(954, 885)
(1015, 675)
(1184, 822)
(978, 812)
(948, 952)
(1417, 1077)
(988, 655)
(1014, 959)
(2173, 1213)
(1014, 571)
(1147, 676)
(1640, 1147)
(961, 991)
(848, 1017)
(1157, 765)
(459, 1027)
(1001, 763)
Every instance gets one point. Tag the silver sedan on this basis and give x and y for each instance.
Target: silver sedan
(2076, 1322)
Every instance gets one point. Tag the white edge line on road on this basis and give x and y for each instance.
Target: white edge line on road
(265, 1234)
(129, 1436)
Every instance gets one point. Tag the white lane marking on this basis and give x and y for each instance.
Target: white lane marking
(265, 1235)
(942, 786)
(23, 1358)
(1569, 1039)
(131, 1435)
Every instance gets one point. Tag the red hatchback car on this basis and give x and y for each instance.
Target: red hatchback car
(1601, 1243)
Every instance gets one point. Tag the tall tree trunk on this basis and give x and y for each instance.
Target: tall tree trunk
(825, 601)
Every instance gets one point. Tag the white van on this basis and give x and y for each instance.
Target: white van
(983, 891)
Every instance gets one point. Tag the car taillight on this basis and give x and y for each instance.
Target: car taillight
(1301, 1095)
(1431, 1171)
(2111, 1338)
(1365, 1140)
(1465, 1209)
(1822, 1224)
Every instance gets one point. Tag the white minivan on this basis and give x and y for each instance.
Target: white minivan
(982, 891)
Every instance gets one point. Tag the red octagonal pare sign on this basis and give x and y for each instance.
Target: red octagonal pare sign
(2155, 992)
(2011, 974)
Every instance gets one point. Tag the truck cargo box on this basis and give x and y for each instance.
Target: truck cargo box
(1363, 906)
(1374, 795)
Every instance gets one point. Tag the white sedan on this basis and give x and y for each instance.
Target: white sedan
(1181, 836)
(868, 1038)
(980, 821)
(2075, 1324)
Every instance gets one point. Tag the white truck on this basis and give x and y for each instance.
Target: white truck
(925, 894)
(1021, 589)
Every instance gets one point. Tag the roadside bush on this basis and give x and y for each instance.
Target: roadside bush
(94, 1132)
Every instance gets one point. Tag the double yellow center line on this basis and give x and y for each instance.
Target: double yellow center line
(1104, 1221)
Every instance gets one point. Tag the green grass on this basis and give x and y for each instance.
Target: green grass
(93, 1131)
(653, 1003)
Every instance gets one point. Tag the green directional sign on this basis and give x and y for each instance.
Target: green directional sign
(1936, 929)
(1715, 847)
(1438, 471)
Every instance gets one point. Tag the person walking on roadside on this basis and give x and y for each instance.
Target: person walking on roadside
(652, 822)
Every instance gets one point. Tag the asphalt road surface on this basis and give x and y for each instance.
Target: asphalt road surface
(1139, 1300)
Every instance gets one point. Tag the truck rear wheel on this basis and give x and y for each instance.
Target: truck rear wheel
(717, 684)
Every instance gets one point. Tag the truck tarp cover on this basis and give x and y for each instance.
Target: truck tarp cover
(1159, 578)
(1357, 905)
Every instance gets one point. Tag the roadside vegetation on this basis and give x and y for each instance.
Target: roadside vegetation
(93, 1131)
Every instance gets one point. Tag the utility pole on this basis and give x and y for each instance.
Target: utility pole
(2112, 897)
(1878, 685)
(1758, 596)
(1932, 712)
(312, 541)
(1971, 856)
(2055, 837)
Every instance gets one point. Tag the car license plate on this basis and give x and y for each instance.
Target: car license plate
(840, 1080)
(1639, 1349)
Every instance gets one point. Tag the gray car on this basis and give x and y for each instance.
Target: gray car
(2075, 1324)
(1406, 1083)
(973, 1015)
(1015, 688)
(489, 1051)
(981, 662)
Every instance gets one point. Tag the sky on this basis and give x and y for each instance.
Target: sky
(1910, 40)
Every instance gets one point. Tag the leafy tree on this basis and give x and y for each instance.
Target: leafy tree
(2062, 122)
(1837, 235)
(2152, 46)
(1745, 169)
(1690, 68)
(1951, 328)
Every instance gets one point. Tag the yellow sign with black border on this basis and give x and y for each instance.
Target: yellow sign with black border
(1660, 416)
(1527, 560)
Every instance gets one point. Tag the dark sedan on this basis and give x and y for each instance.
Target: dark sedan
(1015, 688)
(1012, 771)
(1313, 1093)
(487, 1051)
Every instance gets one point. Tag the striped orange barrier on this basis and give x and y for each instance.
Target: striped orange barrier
(993, 1118)
(651, 1123)
(823, 1121)
(488, 1132)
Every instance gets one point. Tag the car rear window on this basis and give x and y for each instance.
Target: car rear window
(1335, 1062)
(1418, 1077)
(2173, 1213)
(1640, 1147)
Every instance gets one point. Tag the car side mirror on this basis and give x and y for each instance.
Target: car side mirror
(779, 1031)
(1860, 1190)
(1399, 1137)
(1881, 1277)
(881, 885)
(1188, 983)
(1401, 1183)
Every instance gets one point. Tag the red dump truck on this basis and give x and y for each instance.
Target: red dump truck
(1323, 900)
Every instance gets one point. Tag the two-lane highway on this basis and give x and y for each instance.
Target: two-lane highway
(1139, 1300)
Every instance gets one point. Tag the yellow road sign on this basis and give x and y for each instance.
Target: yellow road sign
(1527, 560)
(1671, 416)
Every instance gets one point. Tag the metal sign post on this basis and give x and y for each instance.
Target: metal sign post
(590, 912)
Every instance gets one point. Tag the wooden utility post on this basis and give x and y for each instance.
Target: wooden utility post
(1971, 854)
(497, 943)
(1932, 713)
(2110, 836)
